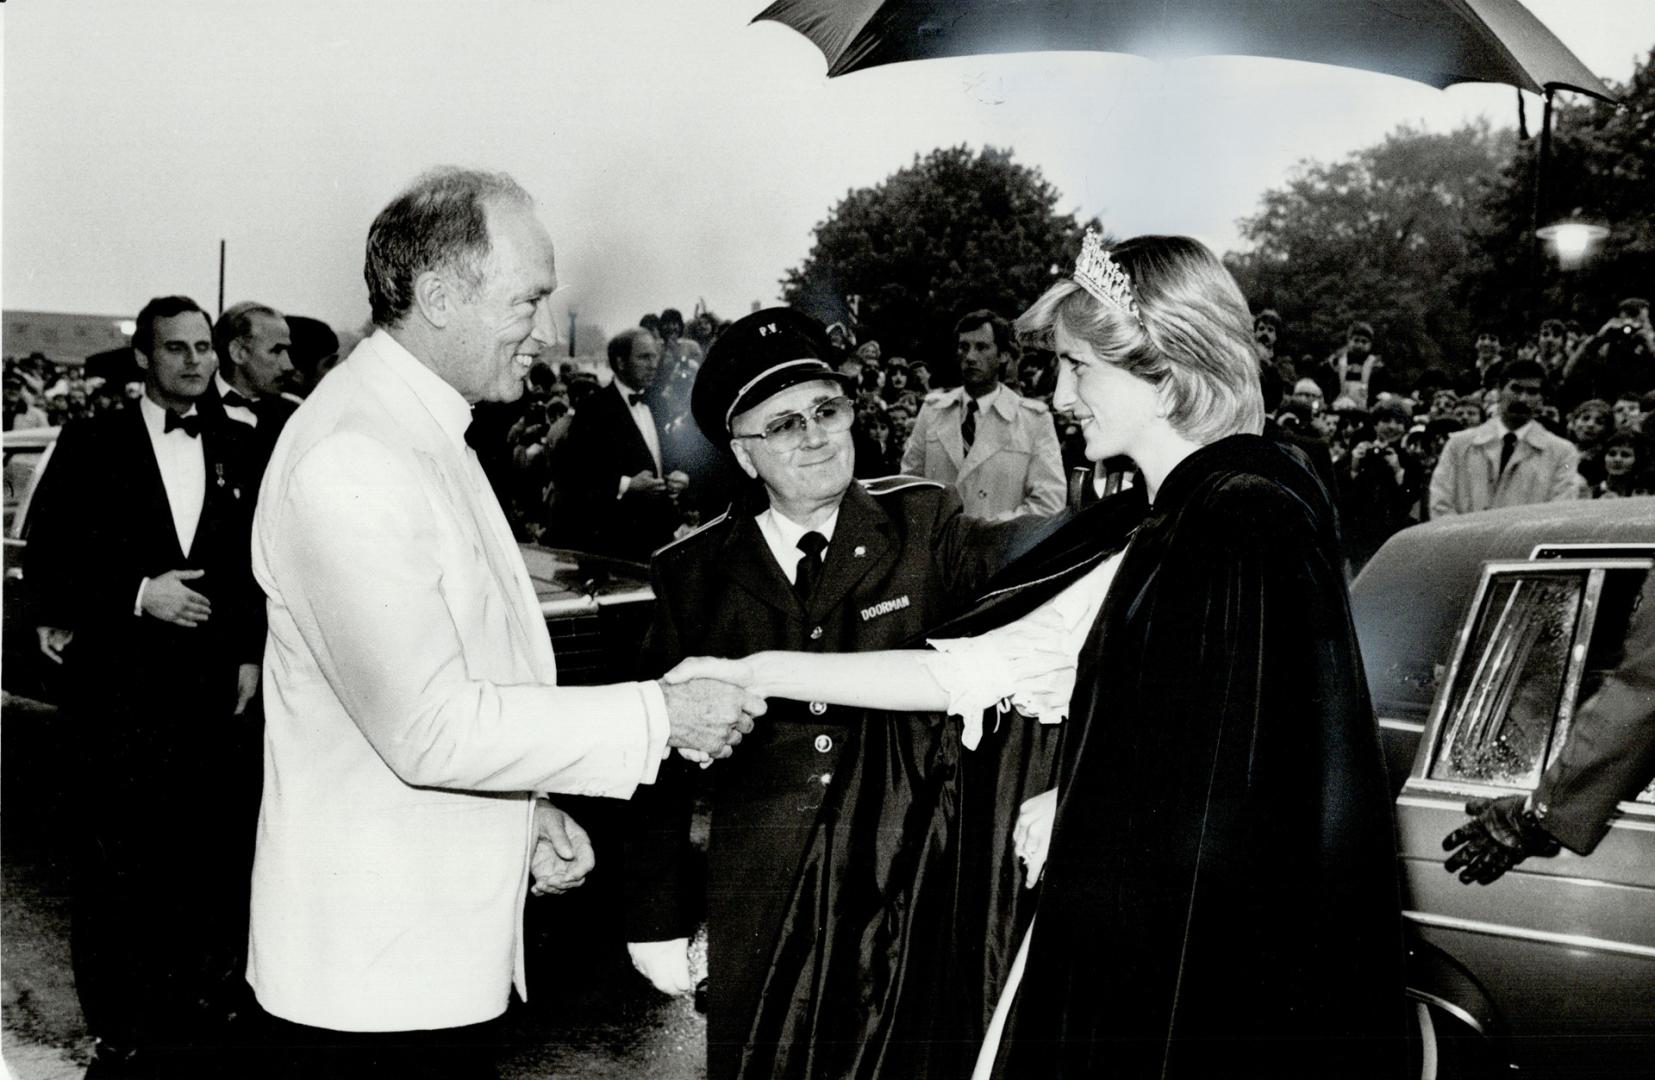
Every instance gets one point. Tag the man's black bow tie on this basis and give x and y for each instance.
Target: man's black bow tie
(633, 399)
(233, 400)
(189, 425)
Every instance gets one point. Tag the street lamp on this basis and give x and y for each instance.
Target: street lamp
(1572, 239)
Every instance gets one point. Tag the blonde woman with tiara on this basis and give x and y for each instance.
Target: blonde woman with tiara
(1216, 867)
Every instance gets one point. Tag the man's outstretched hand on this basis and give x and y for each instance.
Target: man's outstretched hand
(562, 854)
(708, 707)
(1501, 833)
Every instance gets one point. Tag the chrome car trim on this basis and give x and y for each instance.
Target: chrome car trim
(574, 605)
(1576, 671)
(23, 504)
(1446, 1006)
(1587, 550)
(1443, 795)
(1415, 726)
(1427, 1042)
(1574, 941)
(582, 605)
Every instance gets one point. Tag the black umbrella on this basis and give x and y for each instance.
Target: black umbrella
(1439, 42)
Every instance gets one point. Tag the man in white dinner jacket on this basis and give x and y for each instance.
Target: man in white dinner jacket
(412, 711)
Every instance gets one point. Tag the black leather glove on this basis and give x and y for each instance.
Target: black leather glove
(1500, 834)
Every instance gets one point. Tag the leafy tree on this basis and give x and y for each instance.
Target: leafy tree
(1603, 169)
(956, 230)
(1380, 236)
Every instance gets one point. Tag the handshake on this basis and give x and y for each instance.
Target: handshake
(710, 706)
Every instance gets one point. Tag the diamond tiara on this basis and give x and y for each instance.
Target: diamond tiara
(1103, 277)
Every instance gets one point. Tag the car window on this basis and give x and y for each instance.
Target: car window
(1541, 641)
(19, 469)
(1507, 690)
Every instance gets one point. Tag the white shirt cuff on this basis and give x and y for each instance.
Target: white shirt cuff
(138, 603)
(659, 727)
(626, 482)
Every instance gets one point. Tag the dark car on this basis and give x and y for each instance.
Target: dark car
(1482, 634)
(596, 608)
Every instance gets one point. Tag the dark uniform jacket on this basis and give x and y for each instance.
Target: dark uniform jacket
(902, 558)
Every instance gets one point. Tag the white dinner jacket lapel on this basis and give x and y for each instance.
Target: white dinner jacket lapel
(461, 477)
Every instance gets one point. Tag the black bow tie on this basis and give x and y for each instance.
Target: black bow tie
(189, 425)
(233, 400)
(633, 399)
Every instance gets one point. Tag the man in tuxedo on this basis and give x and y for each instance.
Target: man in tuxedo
(255, 365)
(140, 580)
(412, 716)
(613, 480)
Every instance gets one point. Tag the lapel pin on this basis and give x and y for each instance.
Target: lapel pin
(218, 467)
(860, 551)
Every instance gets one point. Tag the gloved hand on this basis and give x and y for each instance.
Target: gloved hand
(1501, 833)
(666, 964)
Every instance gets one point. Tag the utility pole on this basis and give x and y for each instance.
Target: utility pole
(221, 276)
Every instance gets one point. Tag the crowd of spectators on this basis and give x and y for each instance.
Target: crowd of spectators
(1378, 438)
(1589, 395)
(42, 393)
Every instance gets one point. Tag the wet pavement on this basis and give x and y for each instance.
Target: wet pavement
(589, 1016)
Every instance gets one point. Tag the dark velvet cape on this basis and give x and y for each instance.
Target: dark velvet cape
(908, 906)
(1220, 896)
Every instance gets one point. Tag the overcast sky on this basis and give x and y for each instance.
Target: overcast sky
(677, 151)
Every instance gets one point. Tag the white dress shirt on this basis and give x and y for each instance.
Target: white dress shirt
(985, 402)
(183, 470)
(782, 534)
(240, 413)
(644, 420)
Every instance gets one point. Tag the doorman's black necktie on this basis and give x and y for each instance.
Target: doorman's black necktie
(810, 567)
(968, 426)
(1508, 446)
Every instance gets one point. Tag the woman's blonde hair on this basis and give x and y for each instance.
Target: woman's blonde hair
(1192, 336)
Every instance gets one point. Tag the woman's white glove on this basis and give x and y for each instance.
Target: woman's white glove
(666, 964)
(1032, 834)
(1024, 665)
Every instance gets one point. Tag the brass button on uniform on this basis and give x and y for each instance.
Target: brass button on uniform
(817, 708)
(815, 633)
(824, 743)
